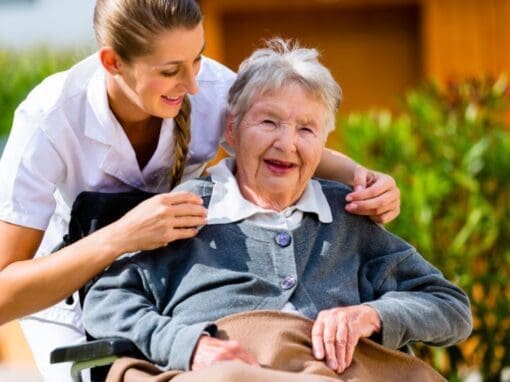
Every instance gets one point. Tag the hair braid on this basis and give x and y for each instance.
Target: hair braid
(182, 136)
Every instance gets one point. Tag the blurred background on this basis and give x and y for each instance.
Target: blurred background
(425, 99)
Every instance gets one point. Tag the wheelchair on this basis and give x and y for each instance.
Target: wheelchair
(90, 212)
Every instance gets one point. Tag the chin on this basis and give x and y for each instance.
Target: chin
(167, 114)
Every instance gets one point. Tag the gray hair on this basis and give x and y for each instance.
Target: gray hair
(278, 64)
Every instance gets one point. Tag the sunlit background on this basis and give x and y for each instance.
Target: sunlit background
(384, 53)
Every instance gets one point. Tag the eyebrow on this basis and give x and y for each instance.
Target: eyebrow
(181, 61)
(276, 112)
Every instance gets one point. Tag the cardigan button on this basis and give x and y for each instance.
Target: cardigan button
(288, 282)
(283, 239)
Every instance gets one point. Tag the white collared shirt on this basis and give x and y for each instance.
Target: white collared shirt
(227, 204)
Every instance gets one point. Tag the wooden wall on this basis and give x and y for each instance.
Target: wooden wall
(466, 37)
(375, 48)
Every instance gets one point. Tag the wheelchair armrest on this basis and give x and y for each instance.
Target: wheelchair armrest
(95, 349)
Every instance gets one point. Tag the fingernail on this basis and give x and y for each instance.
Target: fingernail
(358, 187)
(348, 198)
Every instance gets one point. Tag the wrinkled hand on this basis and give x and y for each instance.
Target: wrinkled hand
(336, 332)
(210, 350)
(158, 221)
(375, 194)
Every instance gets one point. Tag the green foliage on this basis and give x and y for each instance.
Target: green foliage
(449, 151)
(21, 71)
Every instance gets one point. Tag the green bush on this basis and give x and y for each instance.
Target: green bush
(449, 151)
(21, 71)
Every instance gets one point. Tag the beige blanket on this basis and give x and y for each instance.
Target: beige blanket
(281, 342)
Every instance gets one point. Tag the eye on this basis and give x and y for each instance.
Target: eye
(307, 129)
(167, 73)
(269, 122)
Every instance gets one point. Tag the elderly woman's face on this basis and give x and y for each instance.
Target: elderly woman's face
(278, 145)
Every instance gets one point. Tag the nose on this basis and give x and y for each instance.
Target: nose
(286, 139)
(190, 80)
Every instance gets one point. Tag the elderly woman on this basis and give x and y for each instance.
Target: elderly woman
(278, 241)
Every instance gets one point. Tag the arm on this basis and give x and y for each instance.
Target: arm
(416, 303)
(403, 299)
(123, 303)
(30, 169)
(29, 285)
(375, 194)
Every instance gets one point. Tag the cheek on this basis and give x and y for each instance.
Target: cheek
(154, 87)
(311, 156)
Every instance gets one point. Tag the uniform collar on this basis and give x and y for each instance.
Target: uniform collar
(119, 159)
(228, 205)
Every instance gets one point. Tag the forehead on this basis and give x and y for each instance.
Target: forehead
(292, 98)
(176, 45)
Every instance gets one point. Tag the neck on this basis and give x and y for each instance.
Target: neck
(127, 113)
(271, 201)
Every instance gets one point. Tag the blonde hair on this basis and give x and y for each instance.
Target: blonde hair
(130, 27)
(182, 137)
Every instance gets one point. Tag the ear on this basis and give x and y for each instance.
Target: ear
(110, 60)
(230, 131)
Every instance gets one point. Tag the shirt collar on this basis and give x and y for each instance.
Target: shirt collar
(228, 205)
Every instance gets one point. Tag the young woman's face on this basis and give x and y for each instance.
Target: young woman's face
(157, 83)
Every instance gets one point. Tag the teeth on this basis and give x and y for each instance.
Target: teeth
(278, 163)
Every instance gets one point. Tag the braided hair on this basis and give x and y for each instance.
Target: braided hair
(182, 136)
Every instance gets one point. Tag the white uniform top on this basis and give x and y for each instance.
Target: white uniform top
(65, 140)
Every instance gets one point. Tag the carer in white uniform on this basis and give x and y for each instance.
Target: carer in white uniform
(118, 121)
(65, 139)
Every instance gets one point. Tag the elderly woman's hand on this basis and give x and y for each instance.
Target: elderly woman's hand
(210, 350)
(375, 194)
(336, 332)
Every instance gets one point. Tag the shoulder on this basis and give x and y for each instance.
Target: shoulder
(55, 91)
(334, 191)
(213, 71)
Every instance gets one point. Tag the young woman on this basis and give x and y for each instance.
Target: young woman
(117, 121)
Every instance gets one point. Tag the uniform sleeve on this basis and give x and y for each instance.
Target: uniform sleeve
(30, 169)
(122, 304)
(413, 299)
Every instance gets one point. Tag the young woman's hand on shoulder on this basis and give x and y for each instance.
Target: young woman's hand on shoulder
(158, 221)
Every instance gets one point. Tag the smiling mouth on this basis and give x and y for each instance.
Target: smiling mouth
(172, 100)
(278, 166)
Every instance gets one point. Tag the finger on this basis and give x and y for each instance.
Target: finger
(248, 358)
(375, 206)
(386, 217)
(342, 336)
(237, 351)
(360, 177)
(182, 233)
(187, 209)
(187, 222)
(317, 338)
(329, 342)
(351, 343)
(182, 197)
(369, 192)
